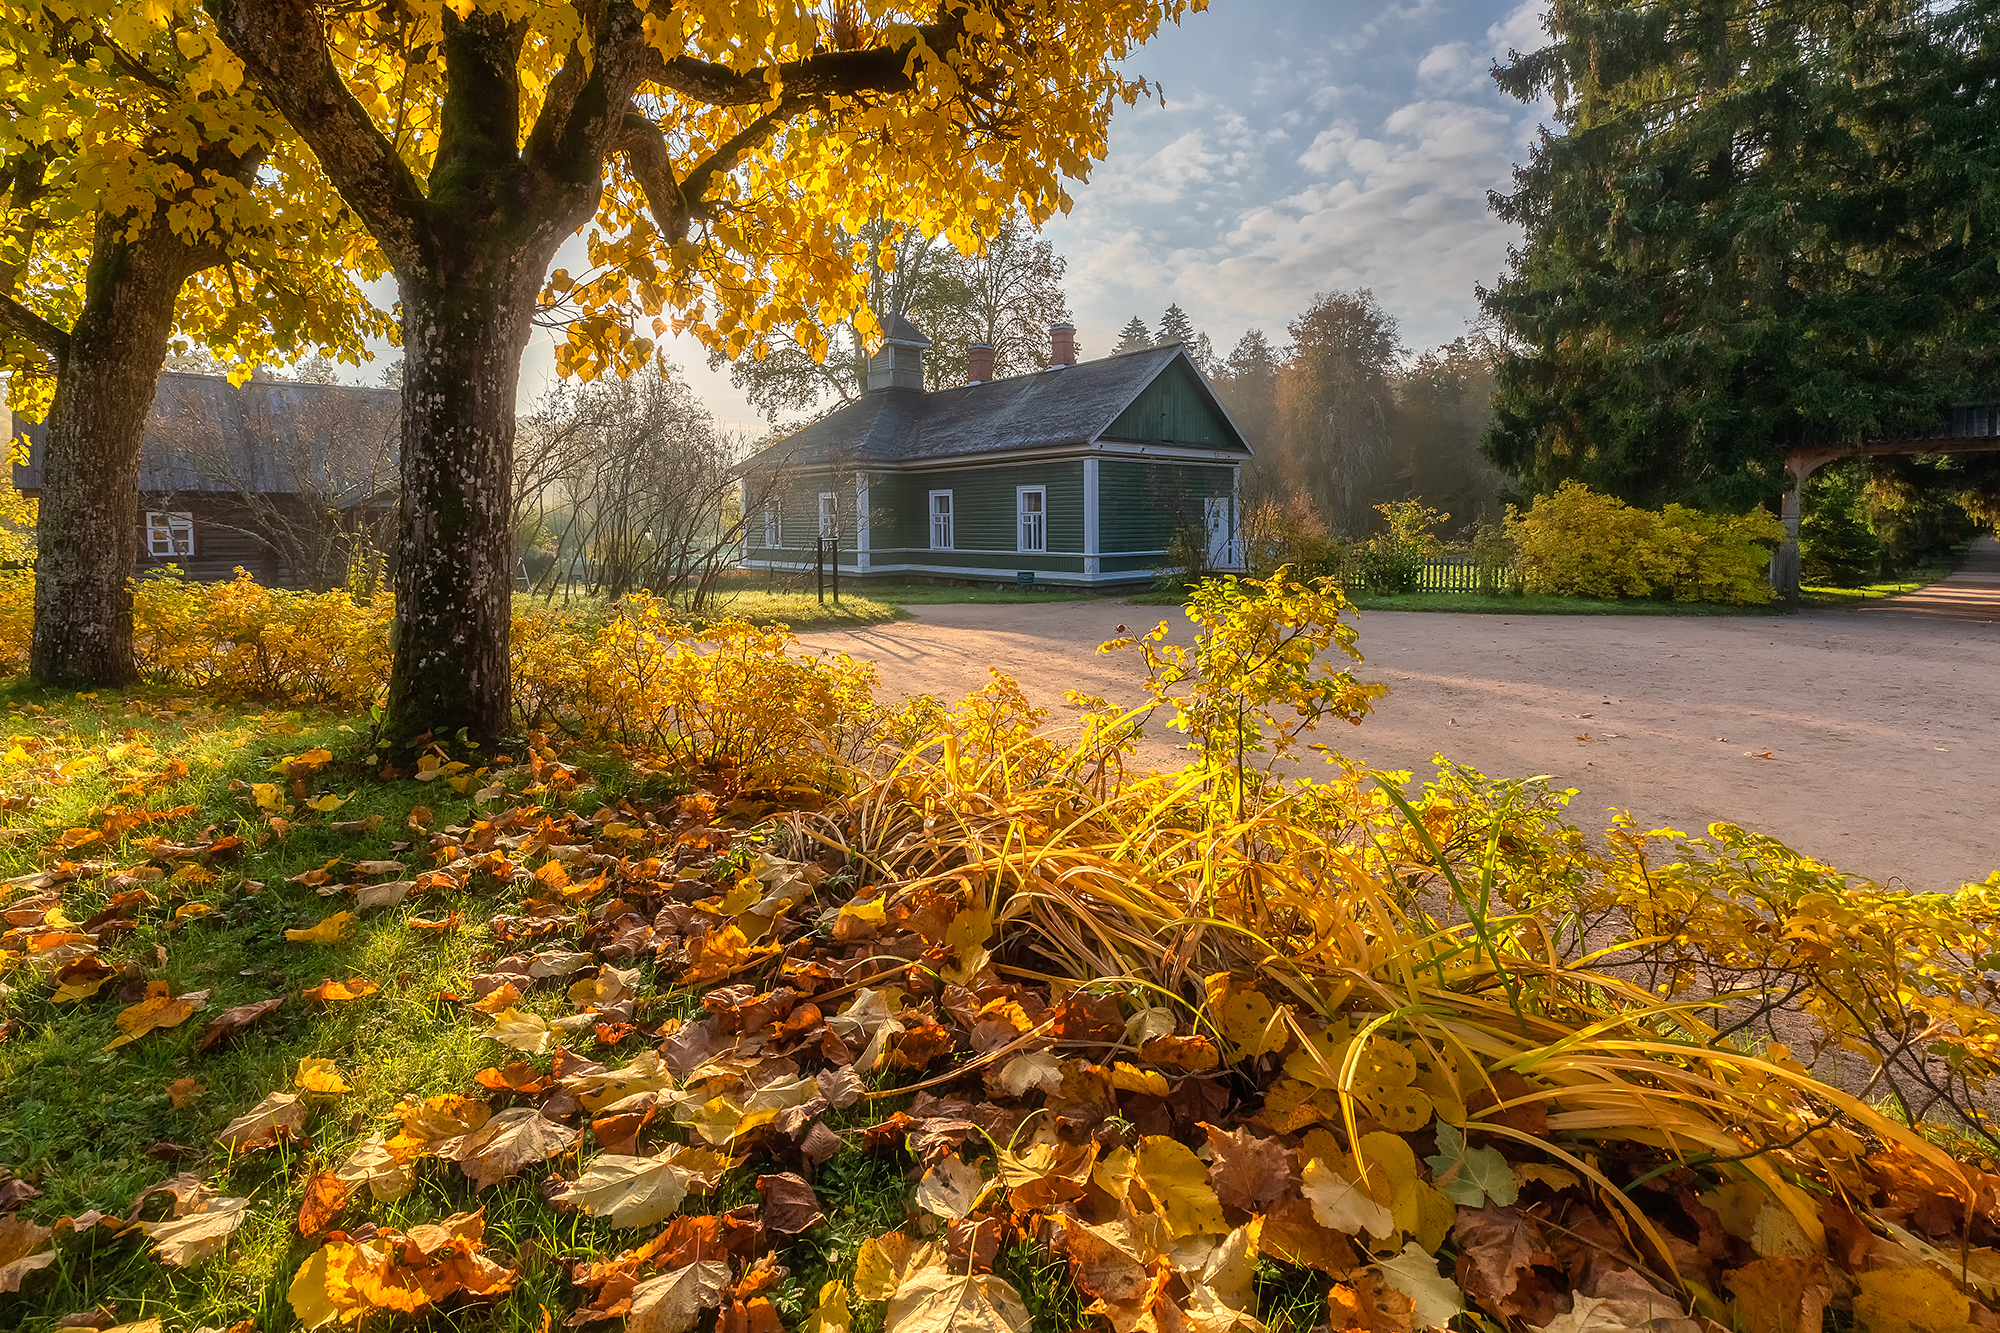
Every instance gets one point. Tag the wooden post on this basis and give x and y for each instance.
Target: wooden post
(819, 568)
(1799, 464)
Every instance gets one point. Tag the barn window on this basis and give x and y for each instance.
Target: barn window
(940, 520)
(169, 533)
(829, 514)
(774, 524)
(1031, 504)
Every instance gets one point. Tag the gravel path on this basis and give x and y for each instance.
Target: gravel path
(1881, 725)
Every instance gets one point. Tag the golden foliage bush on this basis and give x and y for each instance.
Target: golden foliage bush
(1580, 543)
(732, 701)
(243, 639)
(17, 619)
(1464, 957)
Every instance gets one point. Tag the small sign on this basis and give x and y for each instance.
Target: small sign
(1025, 578)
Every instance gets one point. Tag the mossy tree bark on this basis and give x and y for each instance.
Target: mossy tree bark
(87, 533)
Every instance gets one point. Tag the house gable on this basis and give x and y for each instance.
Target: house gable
(1176, 408)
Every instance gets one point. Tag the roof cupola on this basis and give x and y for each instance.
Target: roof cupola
(899, 362)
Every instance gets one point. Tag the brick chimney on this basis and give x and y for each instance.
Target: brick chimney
(978, 363)
(1062, 345)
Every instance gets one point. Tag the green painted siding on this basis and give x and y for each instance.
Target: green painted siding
(984, 514)
(1172, 408)
(1140, 504)
(798, 500)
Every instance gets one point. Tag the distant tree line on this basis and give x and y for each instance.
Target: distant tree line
(1345, 415)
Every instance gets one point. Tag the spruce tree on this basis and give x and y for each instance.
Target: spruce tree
(1761, 226)
(1133, 337)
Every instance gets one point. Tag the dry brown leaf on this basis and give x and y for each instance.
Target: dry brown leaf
(1249, 1173)
(387, 1173)
(280, 1114)
(182, 1241)
(232, 1021)
(628, 1191)
(182, 1092)
(515, 1138)
(790, 1206)
(1780, 1295)
(940, 1302)
(24, 1248)
(671, 1302)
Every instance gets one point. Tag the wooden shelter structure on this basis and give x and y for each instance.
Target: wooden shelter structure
(1972, 428)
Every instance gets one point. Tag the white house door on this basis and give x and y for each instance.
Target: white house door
(1215, 518)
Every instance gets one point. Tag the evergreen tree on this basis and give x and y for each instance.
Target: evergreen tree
(1762, 225)
(1175, 327)
(1247, 383)
(1133, 337)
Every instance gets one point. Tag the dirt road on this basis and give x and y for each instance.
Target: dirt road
(1882, 725)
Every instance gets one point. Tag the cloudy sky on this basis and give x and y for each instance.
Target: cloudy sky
(1300, 146)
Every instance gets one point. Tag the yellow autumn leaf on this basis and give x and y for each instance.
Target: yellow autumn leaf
(521, 1030)
(1177, 1180)
(329, 802)
(1131, 1078)
(320, 1076)
(1909, 1300)
(159, 1009)
(330, 931)
(269, 796)
(832, 1314)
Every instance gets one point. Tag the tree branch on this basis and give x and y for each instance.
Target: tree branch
(878, 69)
(677, 204)
(582, 113)
(29, 325)
(284, 45)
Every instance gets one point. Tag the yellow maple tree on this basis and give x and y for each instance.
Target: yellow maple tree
(719, 156)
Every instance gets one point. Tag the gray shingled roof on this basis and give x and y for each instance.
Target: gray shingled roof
(1051, 409)
(206, 435)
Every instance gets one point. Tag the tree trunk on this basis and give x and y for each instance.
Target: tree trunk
(462, 345)
(88, 529)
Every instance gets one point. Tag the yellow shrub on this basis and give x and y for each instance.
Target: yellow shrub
(730, 700)
(1719, 557)
(17, 619)
(1579, 543)
(241, 638)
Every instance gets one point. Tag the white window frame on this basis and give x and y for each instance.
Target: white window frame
(1031, 538)
(774, 525)
(950, 516)
(829, 509)
(169, 533)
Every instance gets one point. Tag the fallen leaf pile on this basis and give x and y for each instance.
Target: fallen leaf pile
(1173, 1149)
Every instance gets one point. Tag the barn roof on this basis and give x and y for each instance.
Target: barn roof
(1050, 409)
(274, 437)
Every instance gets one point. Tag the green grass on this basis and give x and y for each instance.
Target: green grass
(861, 603)
(1524, 604)
(1921, 577)
(91, 1128)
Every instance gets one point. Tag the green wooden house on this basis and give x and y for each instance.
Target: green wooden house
(1077, 475)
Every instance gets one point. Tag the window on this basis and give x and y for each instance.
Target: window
(774, 525)
(829, 514)
(169, 534)
(940, 520)
(1031, 504)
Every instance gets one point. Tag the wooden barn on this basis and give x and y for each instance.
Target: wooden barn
(290, 481)
(1077, 475)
